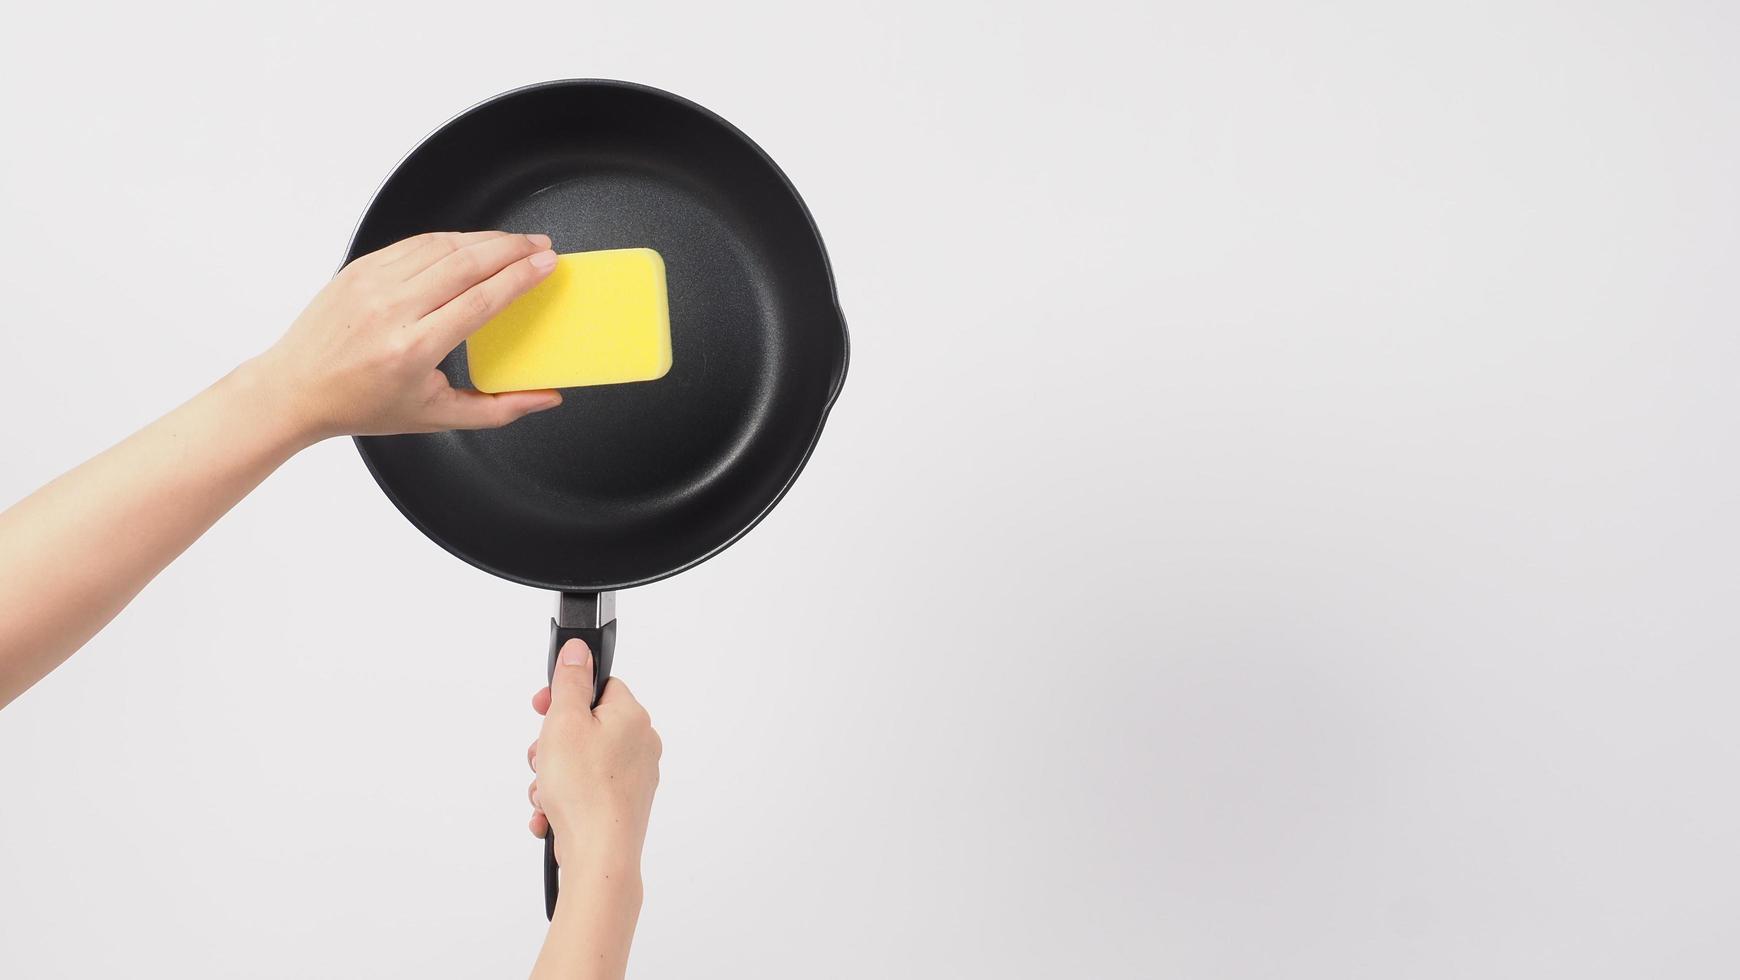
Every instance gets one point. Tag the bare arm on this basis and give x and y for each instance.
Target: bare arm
(597, 770)
(74, 553)
(361, 359)
(595, 919)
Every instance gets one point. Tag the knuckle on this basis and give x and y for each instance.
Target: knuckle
(476, 303)
(376, 309)
(466, 266)
(349, 282)
(355, 279)
(410, 243)
(564, 717)
(402, 345)
(394, 354)
(501, 414)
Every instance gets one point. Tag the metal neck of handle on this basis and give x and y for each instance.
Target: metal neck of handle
(585, 610)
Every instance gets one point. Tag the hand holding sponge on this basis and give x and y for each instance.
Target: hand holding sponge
(598, 318)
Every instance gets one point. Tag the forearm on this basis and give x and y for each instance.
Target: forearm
(74, 553)
(595, 919)
(361, 359)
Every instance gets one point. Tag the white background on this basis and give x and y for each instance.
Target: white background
(1281, 520)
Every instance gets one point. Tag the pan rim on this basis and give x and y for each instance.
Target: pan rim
(837, 383)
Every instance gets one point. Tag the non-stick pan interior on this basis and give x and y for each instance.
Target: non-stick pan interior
(623, 483)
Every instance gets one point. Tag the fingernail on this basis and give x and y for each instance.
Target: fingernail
(575, 653)
(548, 403)
(542, 241)
(544, 261)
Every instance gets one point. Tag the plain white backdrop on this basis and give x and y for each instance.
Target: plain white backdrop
(1281, 520)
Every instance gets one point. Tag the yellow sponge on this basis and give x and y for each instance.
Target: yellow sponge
(599, 318)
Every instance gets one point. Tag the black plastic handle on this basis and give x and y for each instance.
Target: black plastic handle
(602, 640)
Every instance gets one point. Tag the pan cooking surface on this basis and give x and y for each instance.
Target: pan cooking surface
(623, 483)
(663, 439)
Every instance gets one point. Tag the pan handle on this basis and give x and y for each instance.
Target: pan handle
(591, 616)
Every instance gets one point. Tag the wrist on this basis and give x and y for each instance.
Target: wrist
(589, 885)
(275, 401)
(590, 874)
(602, 870)
(613, 854)
(593, 923)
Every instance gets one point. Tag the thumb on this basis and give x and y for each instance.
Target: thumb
(468, 409)
(571, 686)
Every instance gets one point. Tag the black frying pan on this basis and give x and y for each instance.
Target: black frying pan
(623, 484)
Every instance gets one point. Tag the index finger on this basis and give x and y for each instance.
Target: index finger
(465, 267)
(439, 242)
(616, 692)
(460, 316)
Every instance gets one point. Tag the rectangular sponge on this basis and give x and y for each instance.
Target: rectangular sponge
(599, 318)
